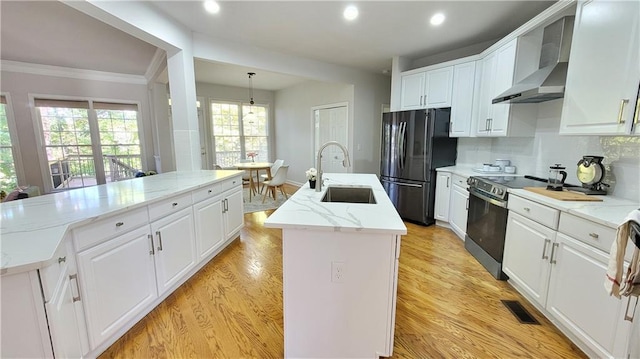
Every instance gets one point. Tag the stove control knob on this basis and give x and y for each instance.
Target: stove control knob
(494, 190)
(470, 181)
(500, 192)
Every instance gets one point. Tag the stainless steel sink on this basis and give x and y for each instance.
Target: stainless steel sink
(349, 195)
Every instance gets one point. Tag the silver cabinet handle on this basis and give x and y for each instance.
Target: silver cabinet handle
(119, 224)
(628, 317)
(75, 277)
(527, 209)
(174, 204)
(226, 205)
(622, 103)
(467, 204)
(448, 182)
(159, 240)
(637, 112)
(62, 259)
(553, 249)
(594, 235)
(544, 249)
(152, 251)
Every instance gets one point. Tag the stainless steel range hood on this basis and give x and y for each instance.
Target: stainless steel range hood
(546, 83)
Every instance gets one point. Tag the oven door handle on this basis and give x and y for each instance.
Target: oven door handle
(488, 199)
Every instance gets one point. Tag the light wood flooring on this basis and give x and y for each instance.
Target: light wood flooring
(448, 306)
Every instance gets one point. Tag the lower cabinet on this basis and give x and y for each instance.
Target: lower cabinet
(118, 282)
(210, 228)
(233, 211)
(443, 192)
(175, 248)
(459, 206)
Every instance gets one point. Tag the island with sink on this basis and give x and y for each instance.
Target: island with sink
(340, 268)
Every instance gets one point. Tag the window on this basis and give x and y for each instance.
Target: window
(234, 138)
(88, 143)
(8, 176)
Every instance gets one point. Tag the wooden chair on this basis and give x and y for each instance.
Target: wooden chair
(277, 181)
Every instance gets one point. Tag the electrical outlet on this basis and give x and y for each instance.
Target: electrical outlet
(338, 272)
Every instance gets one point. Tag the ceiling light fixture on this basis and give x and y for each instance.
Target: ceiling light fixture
(350, 12)
(437, 19)
(211, 6)
(250, 117)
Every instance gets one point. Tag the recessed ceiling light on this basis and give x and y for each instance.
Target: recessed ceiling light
(350, 12)
(437, 19)
(211, 6)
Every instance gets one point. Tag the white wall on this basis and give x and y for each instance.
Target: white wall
(294, 122)
(534, 155)
(20, 85)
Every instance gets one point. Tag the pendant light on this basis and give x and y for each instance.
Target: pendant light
(250, 117)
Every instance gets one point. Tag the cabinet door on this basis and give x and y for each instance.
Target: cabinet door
(438, 87)
(576, 296)
(604, 70)
(487, 68)
(234, 216)
(502, 81)
(412, 92)
(443, 192)
(175, 247)
(63, 323)
(117, 282)
(209, 223)
(459, 210)
(527, 251)
(462, 99)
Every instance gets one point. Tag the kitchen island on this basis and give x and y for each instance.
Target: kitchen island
(340, 271)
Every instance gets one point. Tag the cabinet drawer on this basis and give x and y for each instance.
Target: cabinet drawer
(103, 229)
(168, 206)
(206, 192)
(593, 234)
(460, 181)
(537, 212)
(232, 183)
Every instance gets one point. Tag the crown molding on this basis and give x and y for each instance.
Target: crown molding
(58, 71)
(154, 67)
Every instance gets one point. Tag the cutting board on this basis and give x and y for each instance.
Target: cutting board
(563, 195)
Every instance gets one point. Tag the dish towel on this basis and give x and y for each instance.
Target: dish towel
(614, 284)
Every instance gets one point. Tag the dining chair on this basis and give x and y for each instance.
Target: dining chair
(276, 182)
(274, 169)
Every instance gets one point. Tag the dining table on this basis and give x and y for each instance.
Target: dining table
(254, 169)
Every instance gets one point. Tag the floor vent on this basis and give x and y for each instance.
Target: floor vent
(518, 310)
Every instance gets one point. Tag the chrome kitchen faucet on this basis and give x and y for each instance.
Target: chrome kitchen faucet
(345, 161)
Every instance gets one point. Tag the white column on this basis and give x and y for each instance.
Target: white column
(182, 86)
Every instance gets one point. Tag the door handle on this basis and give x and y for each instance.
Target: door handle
(76, 298)
(544, 249)
(403, 184)
(159, 240)
(553, 249)
(152, 251)
(448, 182)
(628, 317)
(621, 111)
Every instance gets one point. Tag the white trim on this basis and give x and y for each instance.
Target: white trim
(15, 142)
(67, 72)
(154, 67)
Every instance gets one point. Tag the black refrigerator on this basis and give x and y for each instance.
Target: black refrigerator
(414, 144)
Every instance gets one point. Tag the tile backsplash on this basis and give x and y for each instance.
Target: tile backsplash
(534, 155)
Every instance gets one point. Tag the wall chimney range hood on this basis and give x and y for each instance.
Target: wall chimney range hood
(546, 83)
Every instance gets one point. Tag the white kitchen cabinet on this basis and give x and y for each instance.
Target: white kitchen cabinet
(579, 302)
(501, 119)
(233, 211)
(526, 255)
(459, 206)
(118, 282)
(443, 193)
(209, 226)
(175, 248)
(427, 89)
(412, 92)
(462, 99)
(601, 95)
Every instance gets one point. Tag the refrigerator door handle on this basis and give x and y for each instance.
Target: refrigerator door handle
(402, 183)
(403, 134)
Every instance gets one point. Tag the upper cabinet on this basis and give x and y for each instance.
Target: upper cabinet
(497, 71)
(601, 95)
(462, 99)
(427, 89)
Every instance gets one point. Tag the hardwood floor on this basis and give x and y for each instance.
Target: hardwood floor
(448, 306)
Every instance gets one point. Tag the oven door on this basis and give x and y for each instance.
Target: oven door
(487, 223)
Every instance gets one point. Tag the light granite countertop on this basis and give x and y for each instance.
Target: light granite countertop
(304, 210)
(32, 229)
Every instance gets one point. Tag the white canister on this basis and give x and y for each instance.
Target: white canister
(502, 163)
(510, 169)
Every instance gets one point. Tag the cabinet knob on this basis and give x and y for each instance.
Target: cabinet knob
(527, 209)
(119, 224)
(594, 235)
(174, 204)
(62, 259)
(210, 191)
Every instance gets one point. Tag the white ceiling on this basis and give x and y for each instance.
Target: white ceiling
(51, 33)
